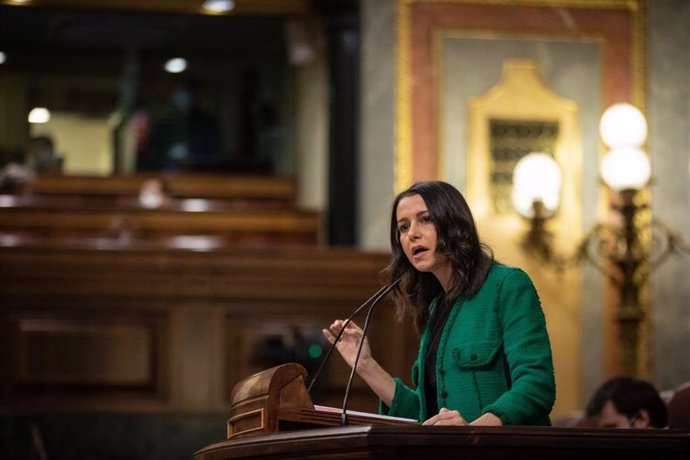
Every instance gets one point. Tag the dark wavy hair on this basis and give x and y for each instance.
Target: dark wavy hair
(457, 239)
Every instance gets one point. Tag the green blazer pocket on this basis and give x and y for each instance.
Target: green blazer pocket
(476, 354)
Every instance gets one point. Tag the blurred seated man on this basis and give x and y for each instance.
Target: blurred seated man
(626, 402)
(41, 155)
(16, 179)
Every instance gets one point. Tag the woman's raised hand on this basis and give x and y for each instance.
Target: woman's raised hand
(368, 369)
(349, 342)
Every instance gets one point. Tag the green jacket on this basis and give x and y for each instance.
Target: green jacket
(494, 356)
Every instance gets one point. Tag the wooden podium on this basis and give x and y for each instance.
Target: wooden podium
(463, 442)
(276, 400)
(272, 417)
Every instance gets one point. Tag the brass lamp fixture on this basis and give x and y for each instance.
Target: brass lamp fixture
(614, 249)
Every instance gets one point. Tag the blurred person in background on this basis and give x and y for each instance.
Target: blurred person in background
(627, 402)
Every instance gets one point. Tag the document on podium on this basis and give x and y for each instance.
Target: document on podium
(367, 415)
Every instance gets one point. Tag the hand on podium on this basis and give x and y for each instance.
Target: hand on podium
(446, 417)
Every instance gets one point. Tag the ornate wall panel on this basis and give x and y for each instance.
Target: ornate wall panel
(619, 23)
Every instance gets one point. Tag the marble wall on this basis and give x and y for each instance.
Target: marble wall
(376, 174)
(669, 145)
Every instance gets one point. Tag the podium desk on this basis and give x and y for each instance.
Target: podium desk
(272, 417)
(471, 443)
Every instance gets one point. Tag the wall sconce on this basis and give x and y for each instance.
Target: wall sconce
(614, 249)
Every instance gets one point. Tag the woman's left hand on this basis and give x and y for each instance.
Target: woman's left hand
(446, 417)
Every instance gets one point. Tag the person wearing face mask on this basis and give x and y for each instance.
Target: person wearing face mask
(484, 354)
(627, 402)
(154, 193)
(183, 136)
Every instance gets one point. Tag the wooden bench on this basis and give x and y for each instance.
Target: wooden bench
(242, 210)
(249, 227)
(256, 188)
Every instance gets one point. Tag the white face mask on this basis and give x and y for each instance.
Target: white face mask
(150, 199)
(183, 99)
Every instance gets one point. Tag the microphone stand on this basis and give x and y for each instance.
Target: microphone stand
(348, 387)
(374, 298)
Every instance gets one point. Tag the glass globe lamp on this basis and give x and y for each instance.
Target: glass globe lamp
(626, 168)
(536, 179)
(623, 125)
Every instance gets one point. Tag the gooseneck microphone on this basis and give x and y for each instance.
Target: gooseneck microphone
(371, 301)
(343, 416)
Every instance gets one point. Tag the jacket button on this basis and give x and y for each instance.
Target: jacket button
(473, 357)
(444, 394)
(442, 371)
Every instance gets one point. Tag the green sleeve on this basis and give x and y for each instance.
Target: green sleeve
(528, 353)
(405, 402)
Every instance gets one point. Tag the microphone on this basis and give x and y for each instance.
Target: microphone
(373, 298)
(384, 293)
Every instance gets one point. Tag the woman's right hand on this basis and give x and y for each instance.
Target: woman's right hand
(349, 342)
(368, 369)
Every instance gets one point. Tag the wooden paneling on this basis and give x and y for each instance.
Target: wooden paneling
(282, 276)
(62, 351)
(170, 310)
(82, 358)
(147, 328)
